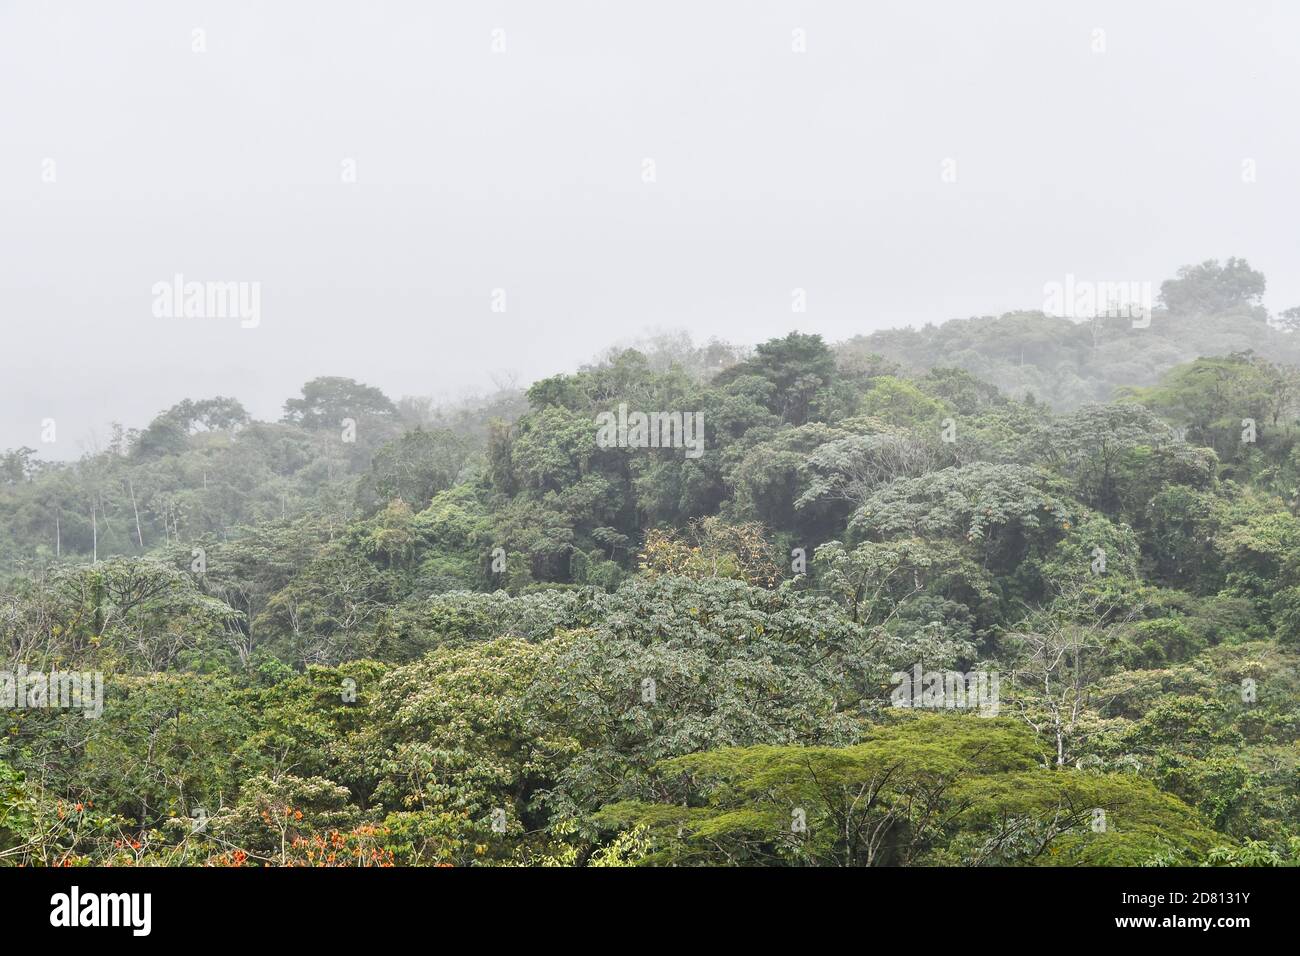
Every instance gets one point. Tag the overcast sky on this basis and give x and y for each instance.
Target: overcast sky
(127, 157)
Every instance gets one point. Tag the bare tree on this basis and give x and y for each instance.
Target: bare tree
(1061, 654)
(852, 468)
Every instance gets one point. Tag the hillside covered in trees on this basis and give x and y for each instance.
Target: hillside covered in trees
(1017, 590)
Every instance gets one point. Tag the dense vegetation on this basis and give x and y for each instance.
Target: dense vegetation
(391, 633)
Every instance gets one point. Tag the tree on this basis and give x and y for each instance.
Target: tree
(328, 612)
(137, 611)
(275, 813)
(1211, 397)
(933, 790)
(673, 665)
(453, 741)
(1289, 319)
(327, 401)
(17, 465)
(801, 370)
(168, 433)
(711, 548)
(415, 467)
(852, 469)
(1091, 444)
(900, 403)
(1211, 288)
(1000, 508)
(1060, 659)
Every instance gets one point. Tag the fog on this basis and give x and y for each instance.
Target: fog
(503, 146)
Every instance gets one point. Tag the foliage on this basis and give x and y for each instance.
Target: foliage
(384, 632)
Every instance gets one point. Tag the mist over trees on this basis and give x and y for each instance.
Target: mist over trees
(393, 632)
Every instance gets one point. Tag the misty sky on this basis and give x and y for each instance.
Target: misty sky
(523, 170)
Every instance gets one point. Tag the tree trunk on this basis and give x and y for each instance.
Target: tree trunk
(138, 535)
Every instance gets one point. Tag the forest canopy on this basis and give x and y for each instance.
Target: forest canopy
(388, 632)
